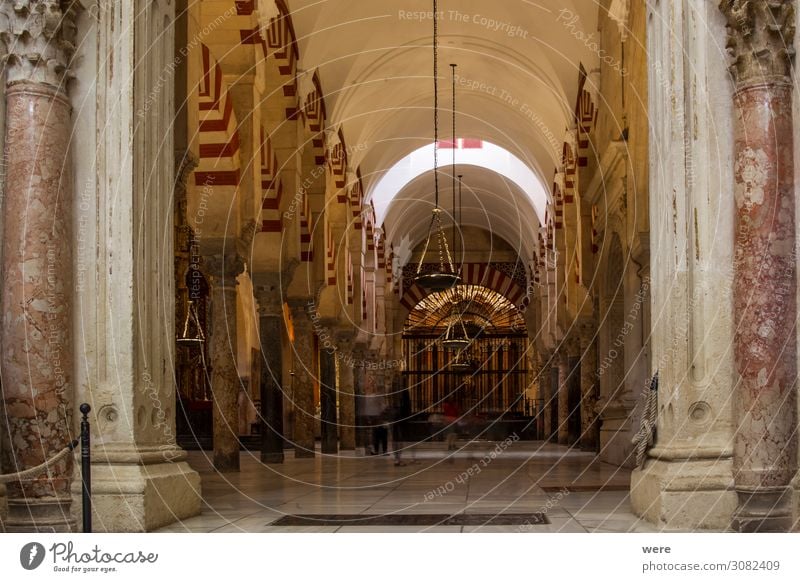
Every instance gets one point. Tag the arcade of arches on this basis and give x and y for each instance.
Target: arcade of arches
(214, 212)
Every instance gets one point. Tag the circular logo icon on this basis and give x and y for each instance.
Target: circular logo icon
(31, 555)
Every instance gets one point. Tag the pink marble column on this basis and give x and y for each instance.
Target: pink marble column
(37, 291)
(222, 271)
(765, 285)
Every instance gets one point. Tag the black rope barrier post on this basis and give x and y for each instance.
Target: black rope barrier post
(86, 469)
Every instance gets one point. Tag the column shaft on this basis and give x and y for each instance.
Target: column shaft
(304, 376)
(37, 291)
(327, 397)
(589, 435)
(272, 438)
(223, 270)
(765, 307)
(563, 396)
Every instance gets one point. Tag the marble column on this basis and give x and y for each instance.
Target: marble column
(270, 329)
(329, 428)
(346, 389)
(563, 394)
(546, 390)
(589, 387)
(37, 356)
(765, 283)
(361, 429)
(304, 376)
(222, 271)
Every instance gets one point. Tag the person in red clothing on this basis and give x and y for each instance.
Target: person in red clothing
(451, 414)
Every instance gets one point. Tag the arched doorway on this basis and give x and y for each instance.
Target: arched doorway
(487, 380)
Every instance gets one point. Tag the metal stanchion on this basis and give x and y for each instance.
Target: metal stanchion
(86, 469)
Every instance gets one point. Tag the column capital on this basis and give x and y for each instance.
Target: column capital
(223, 269)
(38, 39)
(760, 40)
(270, 292)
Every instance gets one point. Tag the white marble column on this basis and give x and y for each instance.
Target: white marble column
(140, 478)
(687, 481)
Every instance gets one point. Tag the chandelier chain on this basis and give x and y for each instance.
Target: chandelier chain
(436, 101)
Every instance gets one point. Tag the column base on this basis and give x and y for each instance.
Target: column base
(764, 509)
(41, 515)
(304, 453)
(685, 494)
(272, 458)
(226, 462)
(140, 489)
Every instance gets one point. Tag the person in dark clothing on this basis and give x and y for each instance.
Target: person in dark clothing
(380, 437)
(400, 418)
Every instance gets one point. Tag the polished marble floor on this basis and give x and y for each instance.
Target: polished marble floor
(573, 490)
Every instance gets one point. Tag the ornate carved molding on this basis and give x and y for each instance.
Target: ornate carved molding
(39, 40)
(760, 40)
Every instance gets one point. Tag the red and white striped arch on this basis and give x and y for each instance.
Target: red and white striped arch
(271, 187)
(218, 137)
(306, 243)
(315, 117)
(473, 274)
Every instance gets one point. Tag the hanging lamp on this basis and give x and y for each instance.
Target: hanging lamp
(456, 338)
(192, 333)
(444, 276)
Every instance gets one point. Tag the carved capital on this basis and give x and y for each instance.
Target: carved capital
(760, 40)
(270, 292)
(38, 37)
(223, 269)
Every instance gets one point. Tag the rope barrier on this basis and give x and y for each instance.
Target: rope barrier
(20, 475)
(644, 439)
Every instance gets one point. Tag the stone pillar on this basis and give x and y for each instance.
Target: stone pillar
(37, 356)
(304, 376)
(765, 282)
(329, 428)
(361, 429)
(546, 391)
(563, 393)
(589, 436)
(687, 480)
(347, 406)
(222, 271)
(270, 330)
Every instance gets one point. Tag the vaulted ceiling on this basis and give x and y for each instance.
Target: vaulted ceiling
(518, 70)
